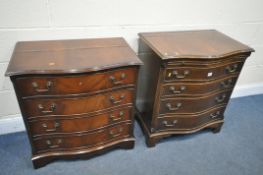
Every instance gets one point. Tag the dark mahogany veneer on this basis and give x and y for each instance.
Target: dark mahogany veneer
(186, 81)
(76, 96)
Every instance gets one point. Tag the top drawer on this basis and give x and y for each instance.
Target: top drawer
(75, 84)
(205, 73)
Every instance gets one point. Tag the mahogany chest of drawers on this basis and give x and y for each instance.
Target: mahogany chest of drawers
(186, 81)
(76, 96)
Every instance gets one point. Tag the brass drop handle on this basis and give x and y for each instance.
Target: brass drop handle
(117, 82)
(165, 123)
(114, 101)
(48, 87)
(215, 115)
(181, 76)
(52, 108)
(114, 118)
(56, 125)
(112, 134)
(174, 91)
(169, 106)
(220, 98)
(53, 145)
(232, 68)
(227, 83)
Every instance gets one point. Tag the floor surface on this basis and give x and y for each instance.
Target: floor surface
(236, 150)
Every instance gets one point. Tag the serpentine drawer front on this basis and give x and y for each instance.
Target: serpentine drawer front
(76, 84)
(189, 122)
(80, 101)
(197, 89)
(80, 141)
(77, 105)
(186, 81)
(187, 105)
(202, 74)
(77, 123)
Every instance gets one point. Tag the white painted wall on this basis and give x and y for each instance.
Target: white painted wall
(62, 19)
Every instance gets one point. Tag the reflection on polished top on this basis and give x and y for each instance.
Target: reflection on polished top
(193, 44)
(70, 56)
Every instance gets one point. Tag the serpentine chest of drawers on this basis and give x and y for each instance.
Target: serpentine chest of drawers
(186, 81)
(76, 96)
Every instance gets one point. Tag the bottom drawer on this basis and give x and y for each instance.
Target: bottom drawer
(85, 140)
(186, 122)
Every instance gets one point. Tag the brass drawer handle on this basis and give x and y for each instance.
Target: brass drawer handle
(172, 89)
(165, 123)
(114, 101)
(56, 125)
(114, 118)
(52, 108)
(169, 106)
(181, 76)
(215, 115)
(118, 82)
(220, 98)
(52, 145)
(227, 83)
(48, 87)
(113, 135)
(232, 68)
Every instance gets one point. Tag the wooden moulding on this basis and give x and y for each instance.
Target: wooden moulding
(40, 160)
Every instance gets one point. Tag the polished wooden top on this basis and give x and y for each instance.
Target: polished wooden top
(70, 56)
(193, 44)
